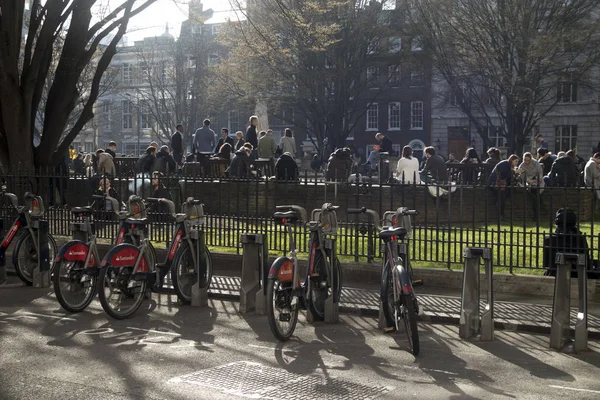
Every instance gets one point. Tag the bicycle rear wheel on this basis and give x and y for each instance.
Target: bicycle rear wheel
(409, 315)
(184, 274)
(388, 302)
(25, 256)
(74, 290)
(282, 315)
(321, 288)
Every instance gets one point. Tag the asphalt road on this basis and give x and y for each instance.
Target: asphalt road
(167, 351)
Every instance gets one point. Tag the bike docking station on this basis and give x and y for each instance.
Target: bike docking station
(199, 289)
(561, 308)
(472, 321)
(41, 273)
(255, 269)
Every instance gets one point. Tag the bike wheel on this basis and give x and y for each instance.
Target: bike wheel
(282, 315)
(409, 315)
(73, 288)
(119, 295)
(320, 288)
(388, 303)
(184, 274)
(26, 257)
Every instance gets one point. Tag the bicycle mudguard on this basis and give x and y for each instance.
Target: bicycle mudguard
(405, 282)
(282, 269)
(124, 255)
(75, 250)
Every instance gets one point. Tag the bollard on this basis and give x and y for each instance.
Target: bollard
(471, 320)
(41, 273)
(561, 307)
(254, 261)
(199, 292)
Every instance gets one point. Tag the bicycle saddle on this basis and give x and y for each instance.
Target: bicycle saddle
(388, 233)
(137, 221)
(82, 210)
(290, 216)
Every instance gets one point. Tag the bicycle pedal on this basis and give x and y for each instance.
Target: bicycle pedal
(418, 283)
(161, 266)
(389, 330)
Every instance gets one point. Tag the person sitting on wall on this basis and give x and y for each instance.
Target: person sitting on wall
(286, 168)
(339, 165)
(435, 167)
(385, 146)
(240, 166)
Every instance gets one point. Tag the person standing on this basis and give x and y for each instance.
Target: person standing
(591, 173)
(111, 149)
(542, 144)
(177, 144)
(239, 140)
(224, 139)
(205, 139)
(267, 146)
(251, 135)
(288, 143)
(501, 179)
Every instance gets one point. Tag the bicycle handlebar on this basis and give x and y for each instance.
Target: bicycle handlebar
(374, 214)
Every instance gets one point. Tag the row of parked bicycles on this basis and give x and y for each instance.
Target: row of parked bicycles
(129, 271)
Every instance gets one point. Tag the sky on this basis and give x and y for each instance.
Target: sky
(152, 21)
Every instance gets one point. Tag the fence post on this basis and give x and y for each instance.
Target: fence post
(471, 321)
(3, 276)
(254, 262)
(561, 307)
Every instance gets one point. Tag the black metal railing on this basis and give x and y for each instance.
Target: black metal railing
(448, 220)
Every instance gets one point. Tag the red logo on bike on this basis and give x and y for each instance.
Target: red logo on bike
(286, 272)
(126, 258)
(175, 244)
(77, 252)
(11, 234)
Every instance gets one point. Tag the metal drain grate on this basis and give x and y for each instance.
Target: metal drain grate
(249, 379)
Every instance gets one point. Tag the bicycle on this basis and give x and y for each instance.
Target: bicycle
(322, 284)
(188, 241)
(127, 270)
(76, 265)
(26, 253)
(398, 299)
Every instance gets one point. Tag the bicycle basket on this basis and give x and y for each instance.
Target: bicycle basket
(328, 221)
(136, 207)
(193, 212)
(35, 205)
(403, 221)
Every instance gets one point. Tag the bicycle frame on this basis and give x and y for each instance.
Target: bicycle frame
(23, 221)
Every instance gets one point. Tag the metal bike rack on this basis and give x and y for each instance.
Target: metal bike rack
(471, 320)
(41, 273)
(255, 264)
(561, 308)
(199, 293)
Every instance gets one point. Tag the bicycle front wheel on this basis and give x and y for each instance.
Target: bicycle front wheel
(73, 288)
(26, 257)
(119, 294)
(409, 315)
(321, 287)
(184, 274)
(282, 315)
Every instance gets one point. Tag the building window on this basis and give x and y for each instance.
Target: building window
(89, 147)
(126, 110)
(566, 89)
(458, 95)
(416, 45)
(126, 74)
(565, 137)
(373, 117)
(213, 60)
(395, 74)
(373, 47)
(395, 44)
(373, 76)
(233, 120)
(394, 116)
(495, 135)
(145, 117)
(417, 78)
(144, 73)
(416, 115)
(214, 29)
(106, 116)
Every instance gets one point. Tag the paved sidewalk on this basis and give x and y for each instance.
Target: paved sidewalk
(442, 308)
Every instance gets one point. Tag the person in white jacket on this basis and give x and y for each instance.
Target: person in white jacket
(408, 167)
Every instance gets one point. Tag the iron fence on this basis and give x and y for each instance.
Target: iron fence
(450, 218)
